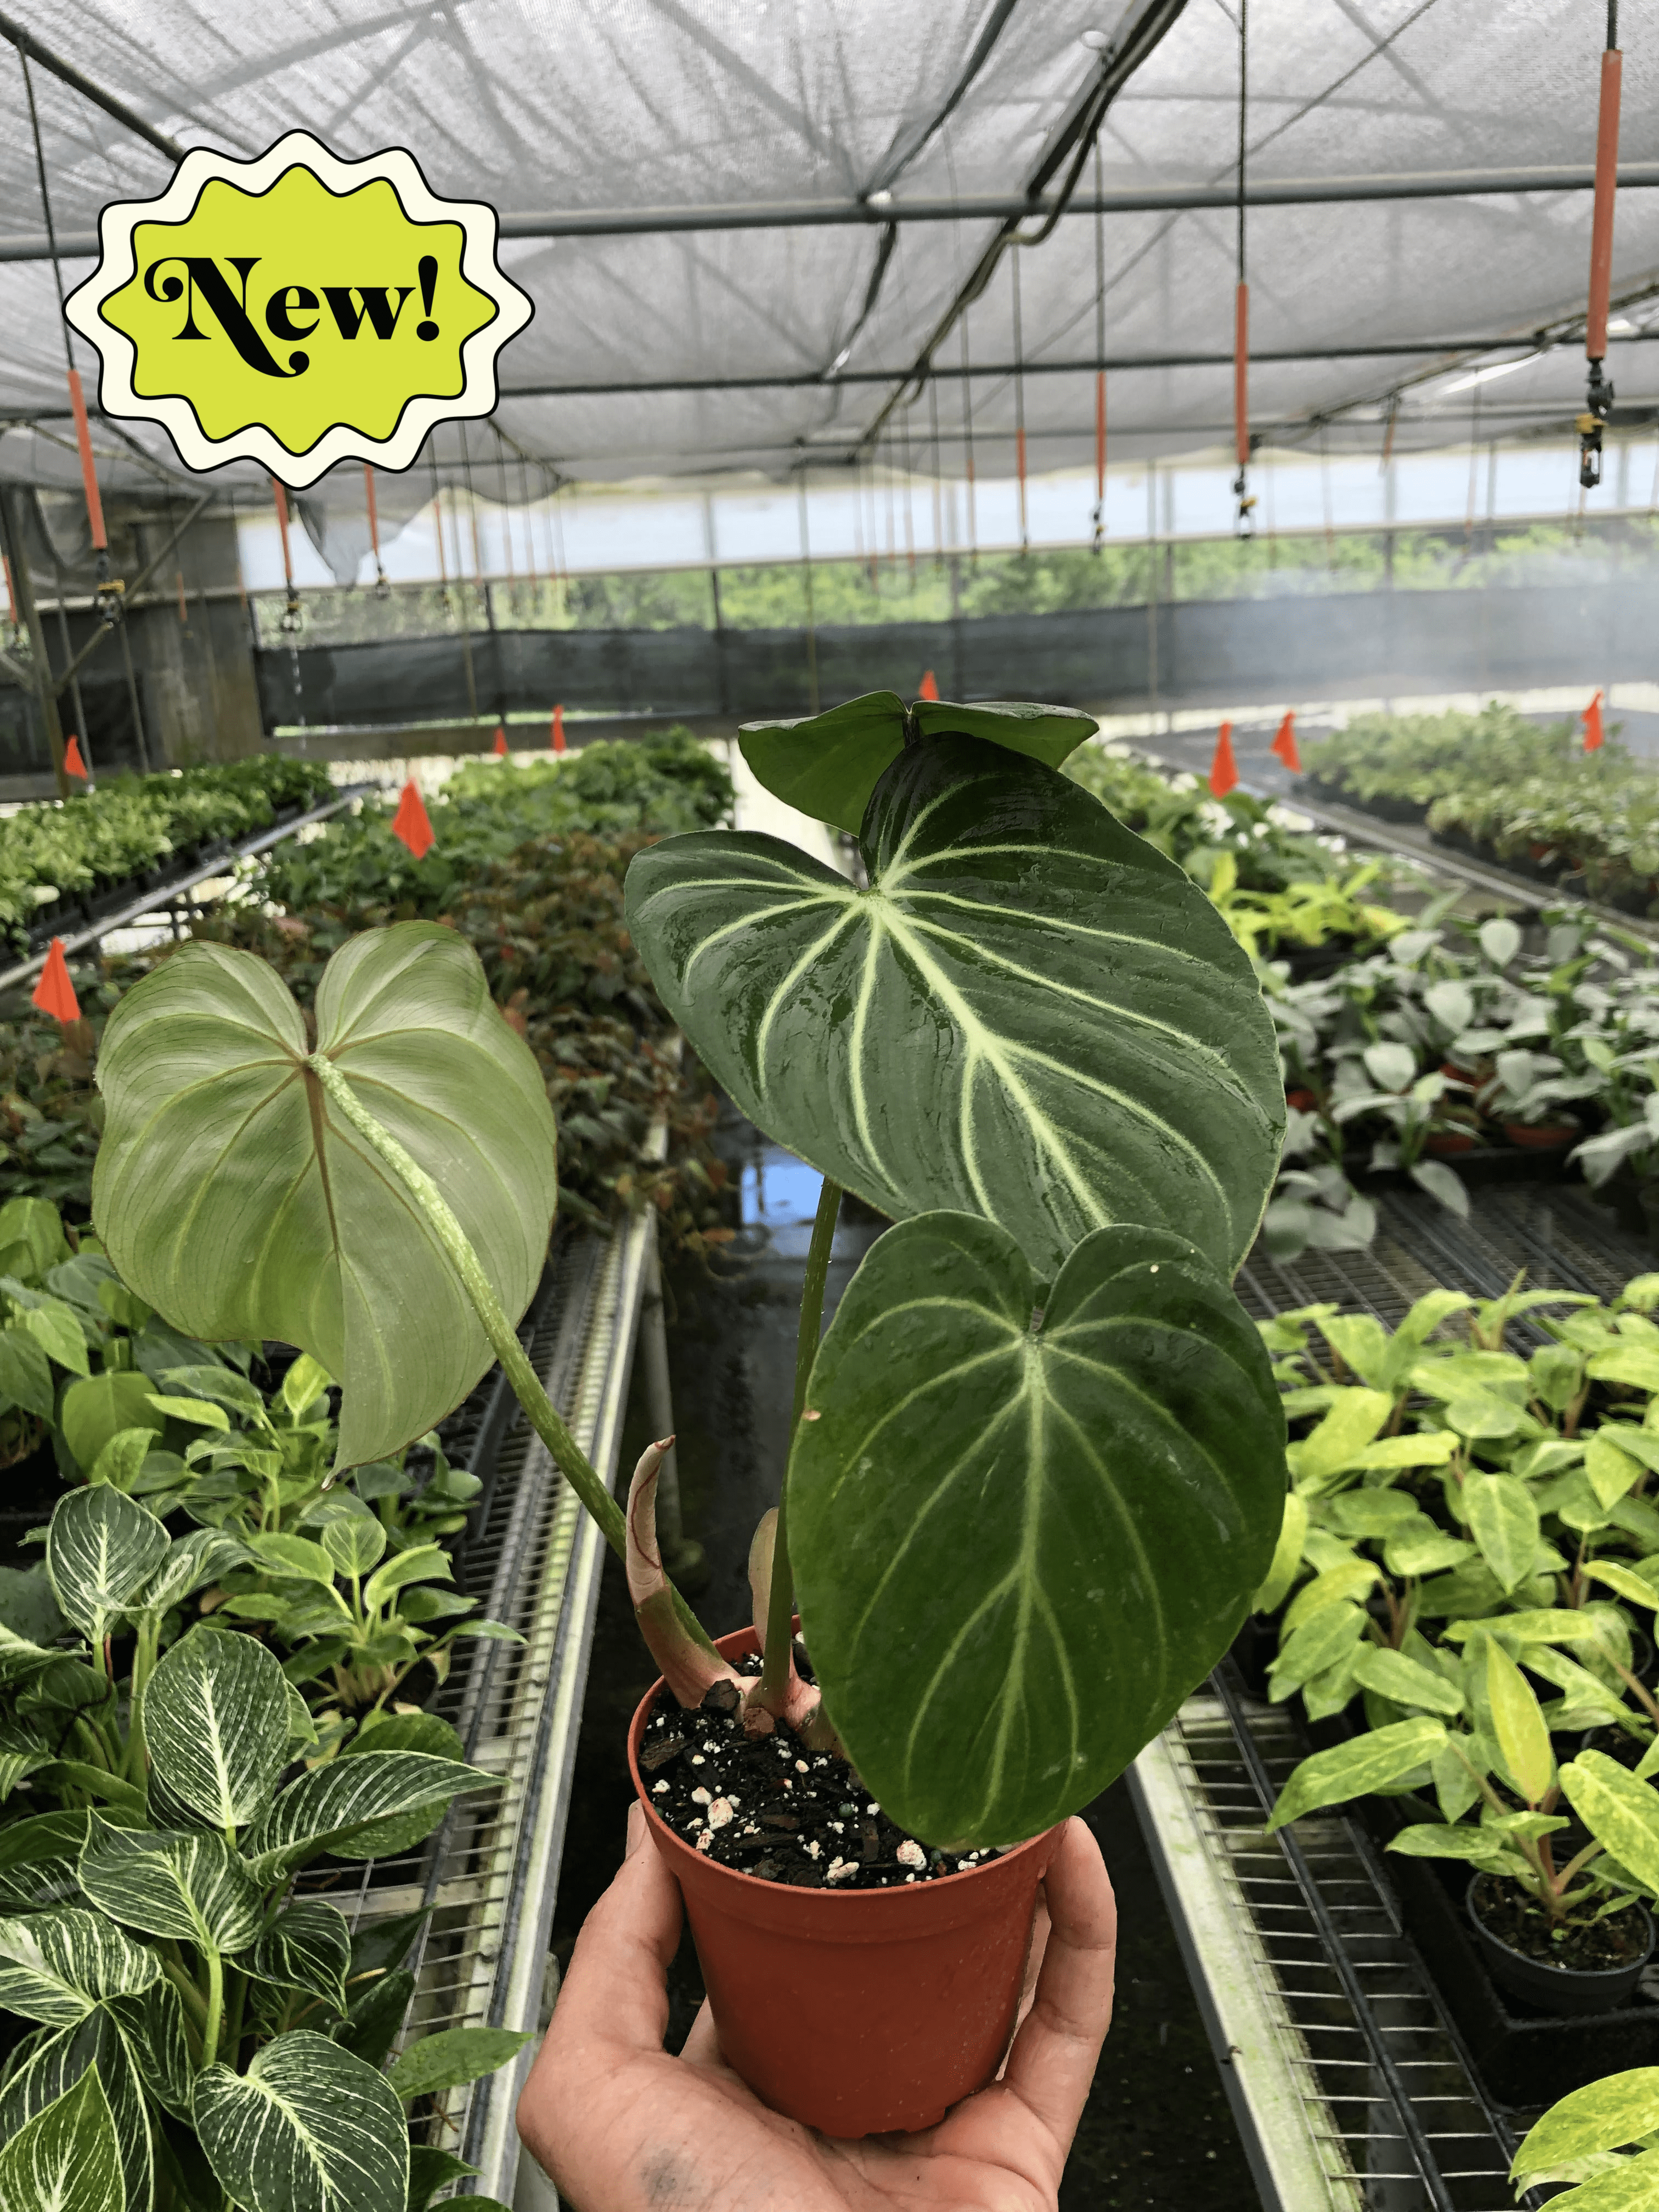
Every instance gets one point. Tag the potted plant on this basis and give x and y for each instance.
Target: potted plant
(1038, 1465)
(1527, 1093)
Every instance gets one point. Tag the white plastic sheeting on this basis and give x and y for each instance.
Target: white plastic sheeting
(548, 105)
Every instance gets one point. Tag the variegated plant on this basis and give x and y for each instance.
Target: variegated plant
(1039, 1459)
(152, 1935)
(182, 1994)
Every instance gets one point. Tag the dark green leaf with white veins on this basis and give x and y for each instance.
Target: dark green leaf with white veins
(216, 1725)
(1031, 1015)
(308, 2128)
(55, 1966)
(235, 1199)
(183, 1883)
(67, 2158)
(325, 1806)
(306, 1947)
(101, 1551)
(1017, 1552)
(59, 2063)
(828, 764)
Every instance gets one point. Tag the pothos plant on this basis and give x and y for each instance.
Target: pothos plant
(1038, 1465)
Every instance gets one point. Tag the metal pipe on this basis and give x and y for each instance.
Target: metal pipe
(877, 211)
(27, 43)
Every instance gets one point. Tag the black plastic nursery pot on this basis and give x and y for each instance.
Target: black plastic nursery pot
(1541, 1983)
(1528, 2053)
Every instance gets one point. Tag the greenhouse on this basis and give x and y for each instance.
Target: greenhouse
(829, 1106)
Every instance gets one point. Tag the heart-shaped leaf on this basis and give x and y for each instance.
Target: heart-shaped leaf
(25, 1373)
(101, 1549)
(308, 2125)
(1031, 1015)
(232, 1194)
(215, 1724)
(67, 2158)
(1018, 1548)
(828, 764)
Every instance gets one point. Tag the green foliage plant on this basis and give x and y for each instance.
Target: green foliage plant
(1031, 1040)
(1603, 2139)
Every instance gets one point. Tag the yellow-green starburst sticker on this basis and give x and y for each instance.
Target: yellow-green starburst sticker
(298, 310)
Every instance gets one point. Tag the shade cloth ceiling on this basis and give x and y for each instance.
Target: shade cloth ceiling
(549, 104)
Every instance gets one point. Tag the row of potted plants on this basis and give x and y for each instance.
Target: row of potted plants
(1460, 1603)
(58, 860)
(1526, 795)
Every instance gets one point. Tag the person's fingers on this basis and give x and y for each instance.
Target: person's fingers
(615, 1989)
(1053, 2061)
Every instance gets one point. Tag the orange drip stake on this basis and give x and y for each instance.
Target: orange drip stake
(88, 473)
(1594, 738)
(54, 994)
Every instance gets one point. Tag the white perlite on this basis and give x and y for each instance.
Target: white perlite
(720, 1812)
(911, 1855)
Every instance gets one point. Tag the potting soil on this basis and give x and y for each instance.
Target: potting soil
(1599, 1948)
(772, 1807)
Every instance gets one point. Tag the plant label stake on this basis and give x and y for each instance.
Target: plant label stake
(1224, 769)
(558, 730)
(54, 994)
(1593, 739)
(500, 746)
(411, 825)
(929, 685)
(1284, 745)
(73, 763)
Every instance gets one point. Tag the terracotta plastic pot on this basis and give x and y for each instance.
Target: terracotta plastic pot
(1540, 1136)
(1303, 1100)
(862, 2011)
(1441, 1142)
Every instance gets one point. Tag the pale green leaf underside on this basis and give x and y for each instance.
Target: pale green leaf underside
(234, 1200)
(1017, 1553)
(309, 2125)
(1031, 1015)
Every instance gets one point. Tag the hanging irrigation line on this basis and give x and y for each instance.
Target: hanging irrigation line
(1099, 516)
(1598, 395)
(1244, 526)
(1019, 408)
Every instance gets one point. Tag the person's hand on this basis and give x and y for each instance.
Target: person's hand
(620, 2126)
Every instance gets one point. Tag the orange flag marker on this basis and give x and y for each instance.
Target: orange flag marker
(558, 730)
(410, 823)
(1224, 769)
(1592, 718)
(1284, 745)
(54, 994)
(74, 765)
(500, 746)
(929, 685)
